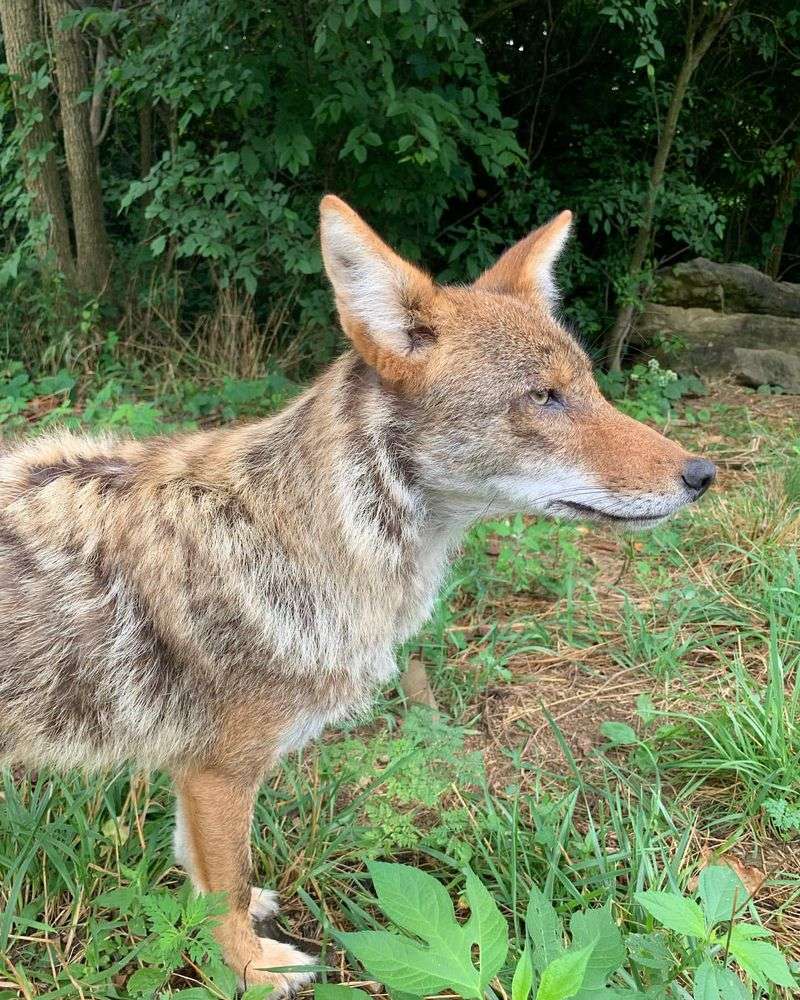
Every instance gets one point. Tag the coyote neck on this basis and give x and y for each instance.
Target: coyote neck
(338, 478)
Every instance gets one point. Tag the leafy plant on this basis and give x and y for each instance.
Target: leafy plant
(432, 950)
(648, 391)
(710, 934)
(419, 764)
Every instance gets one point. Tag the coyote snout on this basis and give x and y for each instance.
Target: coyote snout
(207, 602)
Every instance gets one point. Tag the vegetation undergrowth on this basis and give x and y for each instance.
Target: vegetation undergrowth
(616, 717)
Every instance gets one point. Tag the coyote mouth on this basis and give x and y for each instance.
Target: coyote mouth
(595, 514)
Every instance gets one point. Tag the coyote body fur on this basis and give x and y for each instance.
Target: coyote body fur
(206, 602)
(152, 593)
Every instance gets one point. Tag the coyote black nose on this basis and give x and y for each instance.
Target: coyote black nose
(699, 474)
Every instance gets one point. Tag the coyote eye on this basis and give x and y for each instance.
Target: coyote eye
(541, 396)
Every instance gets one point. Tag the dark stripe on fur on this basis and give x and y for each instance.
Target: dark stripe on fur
(106, 473)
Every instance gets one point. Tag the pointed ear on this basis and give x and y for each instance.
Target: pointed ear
(382, 299)
(527, 268)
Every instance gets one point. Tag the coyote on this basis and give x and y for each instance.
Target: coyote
(208, 602)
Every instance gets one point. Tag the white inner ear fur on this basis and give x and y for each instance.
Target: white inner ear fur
(368, 285)
(543, 261)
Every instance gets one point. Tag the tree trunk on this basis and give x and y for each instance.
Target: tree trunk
(695, 50)
(784, 211)
(20, 30)
(83, 164)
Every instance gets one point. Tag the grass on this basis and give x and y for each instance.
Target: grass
(688, 638)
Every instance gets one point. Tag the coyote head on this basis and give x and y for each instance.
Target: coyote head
(507, 413)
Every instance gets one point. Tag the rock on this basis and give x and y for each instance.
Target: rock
(757, 368)
(726, 288)
(711, 338)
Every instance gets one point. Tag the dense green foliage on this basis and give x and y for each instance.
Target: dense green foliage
(454, 127)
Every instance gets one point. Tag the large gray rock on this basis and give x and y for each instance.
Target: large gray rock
(711, 338)
(757, 368)
(727, 288)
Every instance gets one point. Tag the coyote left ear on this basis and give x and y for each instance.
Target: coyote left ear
(527, 268)
(381, 298)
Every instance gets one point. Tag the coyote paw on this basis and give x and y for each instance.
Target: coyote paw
(264, 903)
(276, 955)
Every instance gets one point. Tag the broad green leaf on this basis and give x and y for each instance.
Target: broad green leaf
(522, 982)
(564, 977)
(673, 911)
(597, 926)
(145, 981)
(719, 887)
(324, 991)
(731, 987)
(705, 982)
(619, 733)
(249, 161)
(650, 951)
(404, 965)
(487, 929)
(51, 384)
(418, 903)
(413, 899)
(714, 982)
(752, 931)
(760, 959)
(544, 931)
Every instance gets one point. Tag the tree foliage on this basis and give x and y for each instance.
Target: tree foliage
(454, 127)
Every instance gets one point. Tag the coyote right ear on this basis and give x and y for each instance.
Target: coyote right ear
(527, 268)
(382, 299)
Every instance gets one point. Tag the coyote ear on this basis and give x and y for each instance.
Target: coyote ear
(527, 268)
(381, 299)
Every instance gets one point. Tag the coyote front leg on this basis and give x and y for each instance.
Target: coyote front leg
(214, 813)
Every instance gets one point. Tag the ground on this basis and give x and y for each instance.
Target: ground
(614, 712)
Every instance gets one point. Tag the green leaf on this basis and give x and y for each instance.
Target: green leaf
(619, 733)
(413, 899)
(323, 991)
(673, 911)
(418, 903)
(145, 981)
(544, 931)
(523, 976)
(714, 982)
(249, 161)
(487, 928)
(404, 965)
(375, 7)
(157, 245)
(760, 960)
(650, 951)
(730, 985)
(719, 887)
(564, 977)
(705, 982)
(52, 384)
(597, 927)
